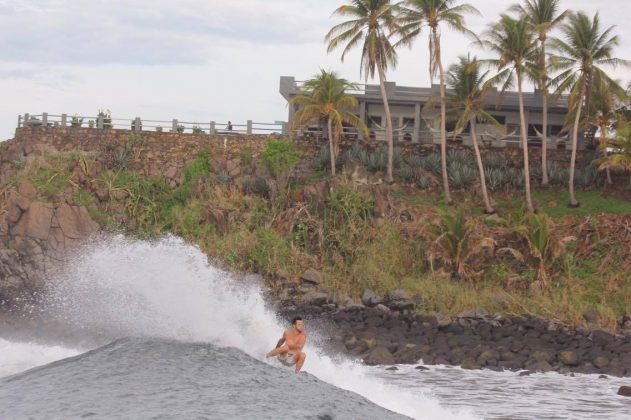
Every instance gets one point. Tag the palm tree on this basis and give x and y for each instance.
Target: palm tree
(431, 13)
(324, 97)
(516, 45)
(620, 158)
(468, 87)
(581, 57)
(543, 16)
(372, 21)
(605, 116)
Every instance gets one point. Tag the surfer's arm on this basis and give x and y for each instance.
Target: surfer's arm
(281, 341)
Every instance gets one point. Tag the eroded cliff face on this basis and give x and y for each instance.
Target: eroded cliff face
(38, 226)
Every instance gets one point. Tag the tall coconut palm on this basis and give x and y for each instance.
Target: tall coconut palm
(372, 21)
(516, 45)
(468, 87)
(324, 97)
(434, 14)
(581, 56)
(543, 16)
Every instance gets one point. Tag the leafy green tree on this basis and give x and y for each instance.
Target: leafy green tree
(372, 22)
(434, 14)
(468, 87)
(543, 16)
(324, 97)
(581, 56)
(516, 45)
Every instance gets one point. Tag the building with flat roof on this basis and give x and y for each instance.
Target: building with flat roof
(415, 122)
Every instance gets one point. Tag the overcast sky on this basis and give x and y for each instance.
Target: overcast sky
(196, 60)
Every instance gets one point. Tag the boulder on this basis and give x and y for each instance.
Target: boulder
(591, 315)
(569, 358)
(601, 362)
(398, 300)
(539, 366)
(488, 356)
(370, 298)
(35, 222)
(544, 356)
(625, 391)
(312, 276)
(379, 355)
(75, 222)
(470, 363)
(315, 298)
(382, 309)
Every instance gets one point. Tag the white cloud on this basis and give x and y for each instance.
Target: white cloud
(198, 60)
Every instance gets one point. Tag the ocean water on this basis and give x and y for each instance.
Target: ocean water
(184, 339)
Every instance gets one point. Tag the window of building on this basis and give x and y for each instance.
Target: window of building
(500, 119)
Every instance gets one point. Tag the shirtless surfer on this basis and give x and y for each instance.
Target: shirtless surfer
(289, 347)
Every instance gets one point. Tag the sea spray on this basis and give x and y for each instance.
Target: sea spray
(120, 287)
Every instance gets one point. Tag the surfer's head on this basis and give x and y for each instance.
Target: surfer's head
(297, 323)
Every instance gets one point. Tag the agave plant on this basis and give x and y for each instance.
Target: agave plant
(422, 182)
(463, 157)
(461, 175)
(407, 174)
(495, 178)
(431, 163)
(415, 161)
(494, 160)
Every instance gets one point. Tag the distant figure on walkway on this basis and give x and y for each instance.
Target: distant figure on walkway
(229, 126)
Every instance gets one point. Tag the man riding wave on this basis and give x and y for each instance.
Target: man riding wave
(289, 347)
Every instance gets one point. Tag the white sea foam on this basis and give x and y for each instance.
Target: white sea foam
(122, 287)
(16, 357)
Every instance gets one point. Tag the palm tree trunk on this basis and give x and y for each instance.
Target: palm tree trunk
(524, 142)
(603, 136)
(389, 134)
(488, 209)
(573, 201)
(544, 141)
(443, 121)
(331, 145)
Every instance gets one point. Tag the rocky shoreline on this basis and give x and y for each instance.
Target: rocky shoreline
(392, 330)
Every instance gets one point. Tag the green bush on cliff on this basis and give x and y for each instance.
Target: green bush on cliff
(271, 252)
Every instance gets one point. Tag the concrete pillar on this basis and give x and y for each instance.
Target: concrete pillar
(19, 121)
(212, 128)
(99, 121)
(64, 120)
(417, 123)
(26, 119)
(137, 124)
(249, 127)
(362, 116)
(45, 119)
(174, 126)
(285, 129)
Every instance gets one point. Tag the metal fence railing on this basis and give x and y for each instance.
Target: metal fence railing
(105, 121)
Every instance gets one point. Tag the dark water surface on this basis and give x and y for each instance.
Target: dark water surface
(159, 379)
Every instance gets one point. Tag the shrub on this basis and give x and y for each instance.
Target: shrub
(198, 130)
(159, 129)
(271, 251)
(76, 121)
(346, 205)
(280, 158)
